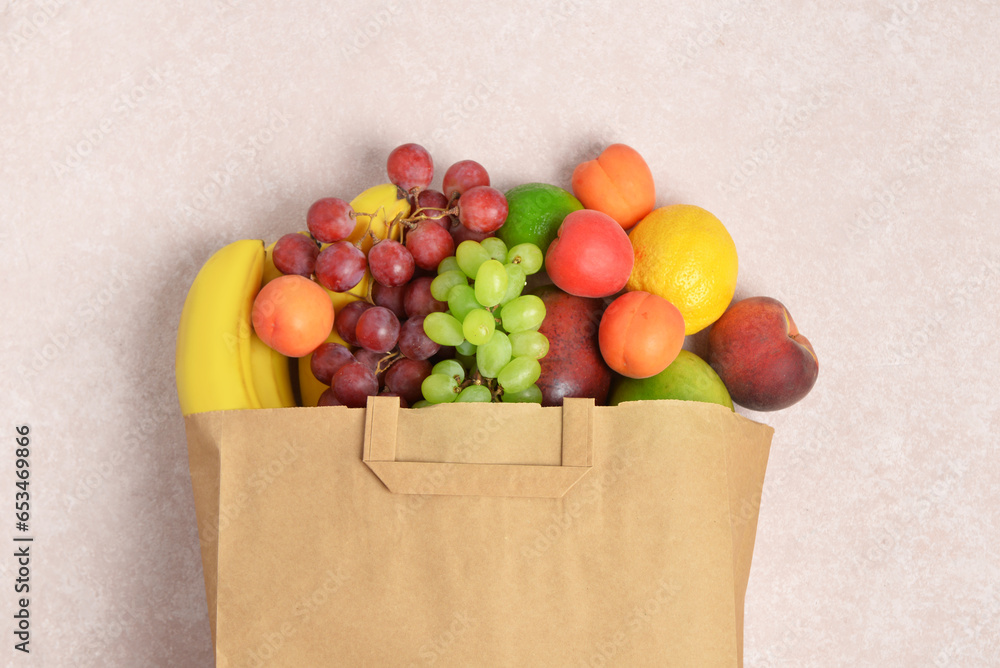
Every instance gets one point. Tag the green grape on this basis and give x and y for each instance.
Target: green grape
(443, 329)
(496, 248)
(468, 362)
(519, 374)
(529, 344)
(461, 300)
(443, 283)
(477, 393)
(532, 395)
(516, 279)
(522, 314)
(450, 263)
(465, 348)
(528, 256)
(438, 388)
(422, 404)
(491, 283)
(493, 355)
(449, 368)
(470, 255)
(478, 326)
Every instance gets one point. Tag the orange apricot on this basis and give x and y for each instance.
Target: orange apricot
(640, 334)
(293, 315)
(617, 183)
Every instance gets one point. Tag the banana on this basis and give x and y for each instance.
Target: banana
(309, 387)
(380, 205)
(271, 376)
(213, 361)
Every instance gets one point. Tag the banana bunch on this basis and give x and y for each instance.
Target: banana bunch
(220, 362)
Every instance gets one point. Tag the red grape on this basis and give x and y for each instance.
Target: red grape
(462, 176)
(391, 298)
(346, 321)
(353, 384)
(410, 166)
(371, 360)
(435, 200)
(429, 243)
(460, 233)
(378, 329)
(482, 209)
(340, 266)
(405, 376)
(327, 359)
(391, 263)
(328, 398)
(413, 342)
(418, 300)
(330, 219)
(295, 254)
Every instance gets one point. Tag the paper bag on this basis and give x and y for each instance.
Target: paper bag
(478, 534)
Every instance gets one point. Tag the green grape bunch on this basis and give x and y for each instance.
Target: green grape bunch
(491, 325)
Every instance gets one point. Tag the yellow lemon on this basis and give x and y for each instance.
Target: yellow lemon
(685, 255)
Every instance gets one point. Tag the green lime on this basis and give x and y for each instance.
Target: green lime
(688, 378)
(534, 213)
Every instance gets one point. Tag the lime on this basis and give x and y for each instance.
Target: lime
(534, 213)
(688, 378)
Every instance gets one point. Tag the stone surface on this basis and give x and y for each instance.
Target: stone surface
(851, 149)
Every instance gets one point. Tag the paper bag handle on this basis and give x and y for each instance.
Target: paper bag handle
(459, 479)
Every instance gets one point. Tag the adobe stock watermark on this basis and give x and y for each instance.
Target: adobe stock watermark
(370, 29)
(124, 105)
(591, 492)
(914, 514)
(302, 611)
(195, 212)
(439, 646)
(640, 616)
(706, 34)
(795, 117)
(410, 504)
(34, 22)
(459, 112)
(87, 311)
(883, 202)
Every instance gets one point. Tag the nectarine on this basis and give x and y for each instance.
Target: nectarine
(591, 255)
(293, 315)
(641, 334)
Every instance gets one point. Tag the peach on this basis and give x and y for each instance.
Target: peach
(293, 315)
(759, 354)
(617, 183)
(640, 334)
(591, 255)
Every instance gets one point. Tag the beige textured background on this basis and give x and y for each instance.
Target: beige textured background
(851, 148)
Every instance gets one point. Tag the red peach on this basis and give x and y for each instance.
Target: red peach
(591, 255)
(759, 354)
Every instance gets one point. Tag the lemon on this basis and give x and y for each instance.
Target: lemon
(685, 255)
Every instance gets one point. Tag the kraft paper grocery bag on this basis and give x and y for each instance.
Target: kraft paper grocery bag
(478, 534)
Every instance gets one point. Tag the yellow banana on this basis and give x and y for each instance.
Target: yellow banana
(213, 359)
(380, 205)
(271, 376)
(309, 387)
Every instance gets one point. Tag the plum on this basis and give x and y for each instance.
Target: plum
(573, 366)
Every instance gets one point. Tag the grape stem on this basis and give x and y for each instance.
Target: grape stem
(387, 360)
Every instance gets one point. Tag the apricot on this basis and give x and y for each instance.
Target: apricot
(293, 315)
(617, 183)
(640, 334)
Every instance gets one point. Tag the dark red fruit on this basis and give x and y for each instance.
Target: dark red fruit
(327, 359)
(346, 321)
(330, 219)
(464, 175)
(573, 366)
(429, 243)
(295, 254)
(410, 166)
